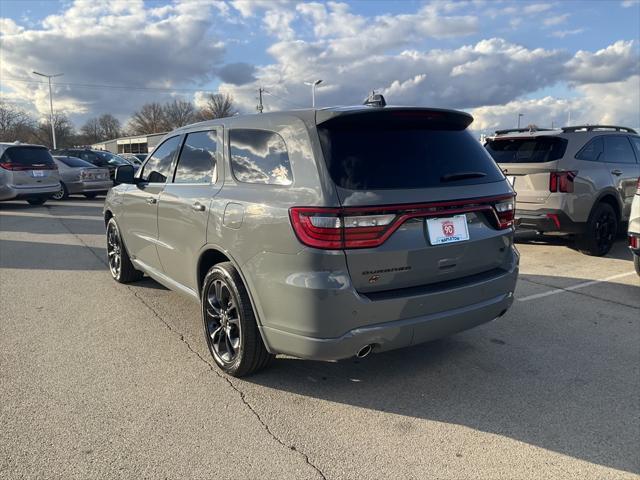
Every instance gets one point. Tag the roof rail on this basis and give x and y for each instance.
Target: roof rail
(521, 130)
(591, 128)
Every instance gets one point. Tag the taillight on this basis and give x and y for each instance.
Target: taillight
(15, 167)
(562, 181)
(354, 227)
(634, 241)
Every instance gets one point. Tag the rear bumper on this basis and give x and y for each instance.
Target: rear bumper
(85, 187)
(385, 321)
(14, 192)
(547, 221)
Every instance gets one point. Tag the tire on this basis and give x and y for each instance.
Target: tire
(36, 201)
(636, 263)
(120, 266)
(61, 194)
(601, 231)
(90, 196)
(230, 327)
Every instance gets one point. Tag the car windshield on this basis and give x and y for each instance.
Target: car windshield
(113, 159)
(74, 162)
(526, 150)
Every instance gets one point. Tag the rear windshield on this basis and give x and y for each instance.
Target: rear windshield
(28, 156)
(112, 159)
(388, 157)
(526, 150)
(74, 162)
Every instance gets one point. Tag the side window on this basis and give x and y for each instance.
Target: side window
(636, 144)
(259, 156)
(197, 163)
(592, 151)
(89, 157)
(617, 149)
(158, 167)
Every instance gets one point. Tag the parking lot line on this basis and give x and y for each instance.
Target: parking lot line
(555, 291)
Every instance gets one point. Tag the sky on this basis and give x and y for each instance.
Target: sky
(554, 62)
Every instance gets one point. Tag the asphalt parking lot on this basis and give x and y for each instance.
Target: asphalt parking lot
(101, 380)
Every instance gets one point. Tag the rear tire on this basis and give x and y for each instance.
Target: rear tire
(36, 201)
(61, 194)
(90, 196)
(601, 231)
(230, 326)
(120, 266)
(636, 263)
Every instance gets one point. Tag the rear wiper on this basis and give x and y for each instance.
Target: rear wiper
(461, 176)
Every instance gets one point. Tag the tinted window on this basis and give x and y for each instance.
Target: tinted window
(90, 157)
(636, 143)
(381, 157)
(158, 167)
(27, 156)
(592, 151)
(258, 156)
(526, 150)
(617, 149)
(197, 162)
(74, 162)
(112, 159)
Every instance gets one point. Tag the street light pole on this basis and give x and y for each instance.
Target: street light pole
(313, 91)
(520, 115)
(49, 77)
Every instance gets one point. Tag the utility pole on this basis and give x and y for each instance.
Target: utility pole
(260, 107)
(49, 77)
(520, 115)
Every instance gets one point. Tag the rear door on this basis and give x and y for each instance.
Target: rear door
(421, 178)
(184, 205)
(527, 162)
(30, 166)
(139, 222)
(622, 164)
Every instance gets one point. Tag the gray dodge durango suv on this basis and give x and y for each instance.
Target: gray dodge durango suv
(322, 234)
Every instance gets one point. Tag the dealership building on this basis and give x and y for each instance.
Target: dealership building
(133, 144)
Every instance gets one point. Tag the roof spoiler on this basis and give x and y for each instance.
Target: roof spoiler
(591, 128)
(409, 117)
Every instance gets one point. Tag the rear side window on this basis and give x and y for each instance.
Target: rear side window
(158, 168)
(617, 149)
(381, 156)
(259, 156)
(25, 157)
(197, 163)
(592, 151)
(527, 150)
(74, 162)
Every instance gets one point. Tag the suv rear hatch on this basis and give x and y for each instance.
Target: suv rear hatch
(30, 166)
(395, 170)
(528, 162)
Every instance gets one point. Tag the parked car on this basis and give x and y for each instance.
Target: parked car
(141, 156)
(99, 158)
(322, 234)
(27, 172)
(130, 157)
(78, 176)
(576, 180)
(634, 228)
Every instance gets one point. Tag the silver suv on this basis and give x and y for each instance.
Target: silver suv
(576, 180)
(27, 172)
(322, 234)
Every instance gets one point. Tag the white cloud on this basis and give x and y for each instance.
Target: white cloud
(555, 20)
(565, 33)
(630, 3)
(616, 62)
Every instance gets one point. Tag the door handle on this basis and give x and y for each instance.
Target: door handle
(616, 172)
(152, 201)
(198, 207)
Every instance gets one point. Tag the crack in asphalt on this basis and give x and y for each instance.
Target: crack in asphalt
(211, 367)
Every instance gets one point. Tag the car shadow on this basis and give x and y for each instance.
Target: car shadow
(619, 251)
(565, 382)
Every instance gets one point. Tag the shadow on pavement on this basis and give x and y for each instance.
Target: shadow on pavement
(618, 252)
(49, 224)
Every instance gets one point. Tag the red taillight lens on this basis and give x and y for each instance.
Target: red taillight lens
(20, 168)
(634, 242)
(562, 181)
(354, 227)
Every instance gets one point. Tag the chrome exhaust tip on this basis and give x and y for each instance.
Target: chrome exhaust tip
(364, 351)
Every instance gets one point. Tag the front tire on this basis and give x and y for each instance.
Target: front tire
(230, 327)
(120, 266)
(601, 231)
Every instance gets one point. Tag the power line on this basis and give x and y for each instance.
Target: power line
(121, 87)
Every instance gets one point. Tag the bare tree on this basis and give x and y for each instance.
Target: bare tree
(91, 131)
(65, 134)
(109, 126)
(178, 113)
(218, 105)
(15, 124)
(149, 119)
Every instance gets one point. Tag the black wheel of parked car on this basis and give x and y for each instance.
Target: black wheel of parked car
(636, 263)
(120, 266)
(230, 327)
(90, 196)
(36, 201)
(62, 193)
(601, 231)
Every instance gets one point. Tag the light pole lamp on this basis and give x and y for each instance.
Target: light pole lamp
(49, 77)
(313, 91)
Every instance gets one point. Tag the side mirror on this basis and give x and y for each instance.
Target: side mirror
(124, 174)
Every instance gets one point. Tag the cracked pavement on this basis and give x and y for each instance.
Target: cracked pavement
(103, 380)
